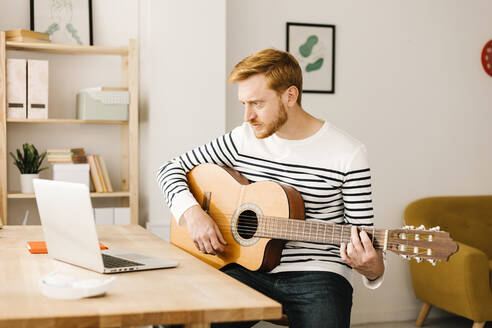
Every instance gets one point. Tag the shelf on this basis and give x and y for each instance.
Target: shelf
(64, 121)
(67, 49)
(128, 131)
(19, 195)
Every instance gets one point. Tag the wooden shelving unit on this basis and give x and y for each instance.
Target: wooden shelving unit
(129, 129)
(69, 121)
(18, 195)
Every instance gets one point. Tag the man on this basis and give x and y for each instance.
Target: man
(280, 141)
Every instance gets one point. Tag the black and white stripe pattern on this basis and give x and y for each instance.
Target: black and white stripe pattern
(329, 195)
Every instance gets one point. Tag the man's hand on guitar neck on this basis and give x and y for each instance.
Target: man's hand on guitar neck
(204, 231)
(361, 255)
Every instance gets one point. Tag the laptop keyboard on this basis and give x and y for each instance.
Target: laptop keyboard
(116, 262)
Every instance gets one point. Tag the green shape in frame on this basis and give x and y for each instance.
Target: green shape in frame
(314, 66)
(307, 48)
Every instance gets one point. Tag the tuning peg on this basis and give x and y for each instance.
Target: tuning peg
(421, 227)
(436, 228)
(433, 262)
(406, 257)
(411, 227)
(418, 259)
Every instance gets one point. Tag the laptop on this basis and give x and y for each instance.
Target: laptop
(69, 229)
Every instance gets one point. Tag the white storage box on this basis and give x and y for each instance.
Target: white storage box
(95, 104)
(122, 215)
(159, 228)
(103, 216)
(71, 173)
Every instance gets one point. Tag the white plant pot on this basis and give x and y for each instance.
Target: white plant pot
(26, 182)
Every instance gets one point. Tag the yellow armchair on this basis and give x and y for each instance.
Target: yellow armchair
(463, 284)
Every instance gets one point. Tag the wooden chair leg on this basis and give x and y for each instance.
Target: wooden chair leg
(424, 311)
(477, 324)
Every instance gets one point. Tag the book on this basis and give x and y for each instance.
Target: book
(26, 36)
(69, 155)
(99, 173)
(39, 247)
(105, 175)
(28, 40)
(67, 159)
(64, 151)
(96, 180)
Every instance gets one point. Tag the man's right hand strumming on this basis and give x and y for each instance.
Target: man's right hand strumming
(204, 231)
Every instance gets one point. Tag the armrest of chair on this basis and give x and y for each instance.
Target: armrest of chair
(461, 284)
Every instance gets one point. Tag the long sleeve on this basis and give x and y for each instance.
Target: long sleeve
(357, 198)
(356, 191)
(171, 176)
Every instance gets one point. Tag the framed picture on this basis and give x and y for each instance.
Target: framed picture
(313, 45)
(66, 21)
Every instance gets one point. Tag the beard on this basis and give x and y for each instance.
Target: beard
(272, 127)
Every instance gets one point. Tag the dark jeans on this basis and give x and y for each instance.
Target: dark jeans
(309, 299)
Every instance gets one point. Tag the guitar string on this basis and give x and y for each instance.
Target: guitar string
(338, 228)
(252, 228)
(252, 222)
(336, 241)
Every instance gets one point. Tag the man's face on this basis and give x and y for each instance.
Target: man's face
(263, 108)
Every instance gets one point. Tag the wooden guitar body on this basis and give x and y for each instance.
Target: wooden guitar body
(234, 203)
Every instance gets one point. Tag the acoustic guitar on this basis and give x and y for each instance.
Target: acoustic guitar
(257, 219)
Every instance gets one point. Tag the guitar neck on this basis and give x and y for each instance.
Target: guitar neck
(316, 232)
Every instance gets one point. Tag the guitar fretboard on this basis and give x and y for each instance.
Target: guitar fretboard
(316, 232)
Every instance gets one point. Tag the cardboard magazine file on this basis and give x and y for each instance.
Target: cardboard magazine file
(37, 89)
(16, 88)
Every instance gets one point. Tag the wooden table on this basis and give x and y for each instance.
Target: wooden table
(193, 294)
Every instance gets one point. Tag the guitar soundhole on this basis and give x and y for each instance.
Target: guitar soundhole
(247, 224)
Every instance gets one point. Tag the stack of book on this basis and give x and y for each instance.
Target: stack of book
(99, 174)
(66, 156)
(21, 35)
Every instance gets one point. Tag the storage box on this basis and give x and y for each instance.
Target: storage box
(122, 215)
(159, 228)
(72, 173)
(103, 216)
(95, 104)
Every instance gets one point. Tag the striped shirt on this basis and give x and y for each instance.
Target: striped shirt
(329, 169)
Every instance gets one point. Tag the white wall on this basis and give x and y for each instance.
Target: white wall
(183, 87)
(410, 85)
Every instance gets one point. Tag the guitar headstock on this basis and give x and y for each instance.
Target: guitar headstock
(421, 244)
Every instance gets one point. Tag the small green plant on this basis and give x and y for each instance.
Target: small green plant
(30, 161)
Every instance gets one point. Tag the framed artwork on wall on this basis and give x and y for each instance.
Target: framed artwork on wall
(66, 21)
(313, 45)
